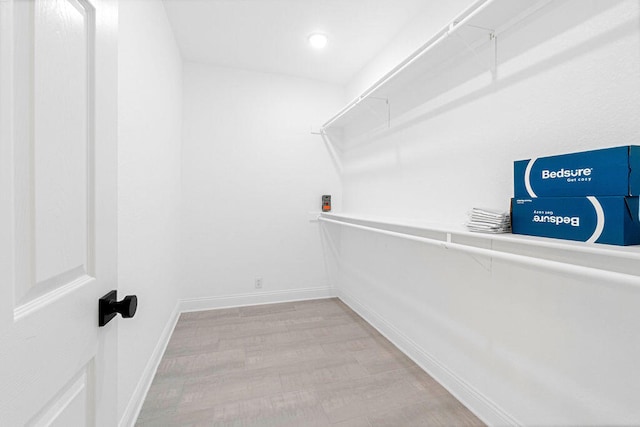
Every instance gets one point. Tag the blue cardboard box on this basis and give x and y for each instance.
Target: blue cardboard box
(605, 172)
(610, 219)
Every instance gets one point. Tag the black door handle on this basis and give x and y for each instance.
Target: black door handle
(109, 306)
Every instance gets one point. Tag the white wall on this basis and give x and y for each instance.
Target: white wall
(544, 348)
(567, 88)
(149, 153)
(252, 172)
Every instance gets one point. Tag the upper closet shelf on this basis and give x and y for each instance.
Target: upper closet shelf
(476, 26)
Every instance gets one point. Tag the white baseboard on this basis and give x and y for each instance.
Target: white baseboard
(134, 406)
(240, 300)
(480, 405)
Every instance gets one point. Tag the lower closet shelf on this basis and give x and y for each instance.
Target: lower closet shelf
(617, 264)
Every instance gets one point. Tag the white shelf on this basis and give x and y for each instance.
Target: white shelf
(478, 25)
(591, 256)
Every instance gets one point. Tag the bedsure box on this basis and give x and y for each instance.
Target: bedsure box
(606, 172)
(612, 220)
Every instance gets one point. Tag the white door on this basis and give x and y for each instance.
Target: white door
(58, 110)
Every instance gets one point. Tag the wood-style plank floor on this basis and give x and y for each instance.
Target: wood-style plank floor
(309, 363)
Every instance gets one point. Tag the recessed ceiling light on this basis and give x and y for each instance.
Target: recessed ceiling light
(318, 40)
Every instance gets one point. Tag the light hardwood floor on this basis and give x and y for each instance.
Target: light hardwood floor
(310, 363)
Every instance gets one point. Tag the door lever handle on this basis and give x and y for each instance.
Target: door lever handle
(109, 306)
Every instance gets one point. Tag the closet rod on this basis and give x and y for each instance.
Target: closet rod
(441, 35)
(590, 272)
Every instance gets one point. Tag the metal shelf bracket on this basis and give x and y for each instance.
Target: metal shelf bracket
(493, 41)
(376, 113)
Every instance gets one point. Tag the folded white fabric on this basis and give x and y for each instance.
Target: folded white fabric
(489, 221)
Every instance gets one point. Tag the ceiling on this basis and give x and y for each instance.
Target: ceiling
(271, 35)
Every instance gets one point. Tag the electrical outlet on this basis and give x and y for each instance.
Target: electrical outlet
(258, 283)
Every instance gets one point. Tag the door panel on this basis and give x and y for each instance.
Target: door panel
(58, 213)
(54, 165)
(71, 406)
(62, 139)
